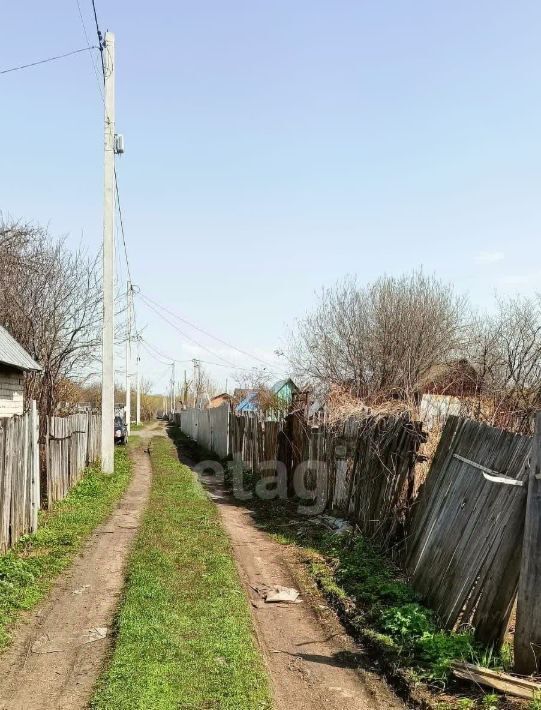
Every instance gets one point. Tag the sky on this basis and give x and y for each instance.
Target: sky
(274, 147)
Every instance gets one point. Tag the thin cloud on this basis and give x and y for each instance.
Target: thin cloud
(489, 257)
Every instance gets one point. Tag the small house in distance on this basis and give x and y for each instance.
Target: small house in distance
(279, 397)
(14, 362)
(285, 389)
(219, 399)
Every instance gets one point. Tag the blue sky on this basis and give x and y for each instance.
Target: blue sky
(273, 147)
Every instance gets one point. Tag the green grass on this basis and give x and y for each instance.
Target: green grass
(370, 593)
(382, 607)
(184, 633)
(28, 570)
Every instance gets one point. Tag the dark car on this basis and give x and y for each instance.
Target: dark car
(121, 430)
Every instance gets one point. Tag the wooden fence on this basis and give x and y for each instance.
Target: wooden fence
(19, 477)
(208, 427)
(72, 443)
(368, 463)
(464, 548)
(459, 535)
(372, 465)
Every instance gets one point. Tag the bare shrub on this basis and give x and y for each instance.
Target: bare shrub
(377, 342)
(505, 350)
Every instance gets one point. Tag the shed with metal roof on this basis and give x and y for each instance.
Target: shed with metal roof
(14, 362)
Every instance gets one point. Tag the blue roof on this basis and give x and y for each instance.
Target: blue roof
(248, 404)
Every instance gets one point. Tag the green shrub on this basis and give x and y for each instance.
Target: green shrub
(407, 622)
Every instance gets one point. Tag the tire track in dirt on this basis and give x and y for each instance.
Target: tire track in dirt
(312, 662)
(54, 659)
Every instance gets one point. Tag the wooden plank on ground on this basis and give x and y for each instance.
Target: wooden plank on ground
(503, 682)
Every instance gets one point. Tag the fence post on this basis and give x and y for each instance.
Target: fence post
(528, 626)
(34, 478)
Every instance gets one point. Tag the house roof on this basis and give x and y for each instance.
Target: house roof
(249, 403)
(277, 386)
(225, 395)
(458, 374)
(13, 354)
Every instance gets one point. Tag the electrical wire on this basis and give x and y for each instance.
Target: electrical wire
(168, 359)
(100, 37)
(119, 208)
(49, 59)
(188, 337)
(159, 356)
(94, 65)
(117, 192)
(205, 332)
(151, 354)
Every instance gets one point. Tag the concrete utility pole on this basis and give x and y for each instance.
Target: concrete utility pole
(138, 376)
(128, 357)
(108, 376)
(195, 381)
(173, 386)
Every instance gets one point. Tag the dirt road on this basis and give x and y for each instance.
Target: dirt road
(312, 663)
(58, 651)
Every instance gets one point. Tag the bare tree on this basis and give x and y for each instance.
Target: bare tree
(50, 302)
(380, 340)
(505, 350)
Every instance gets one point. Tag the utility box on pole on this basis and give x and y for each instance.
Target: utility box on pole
(108, 377)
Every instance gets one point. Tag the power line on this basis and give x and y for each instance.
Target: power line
(100, 37)
(185, 335)
(205, 332)
(118, 204)
(167, 359)
(100, 85)
(100, 47)
(49, 59)
(119, 208)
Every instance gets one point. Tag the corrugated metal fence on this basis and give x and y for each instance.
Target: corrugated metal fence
(208, 427)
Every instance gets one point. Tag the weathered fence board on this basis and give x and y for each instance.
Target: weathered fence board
(528, 627)
(460, 535)
(19, 477)
(466, 529)
(208, 427)
(73, 442)
(368, 462)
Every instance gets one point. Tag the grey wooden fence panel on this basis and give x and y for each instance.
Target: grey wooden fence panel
(219, 426)
(19, 477)
(466, 530)
(370, 466)
(73, 442)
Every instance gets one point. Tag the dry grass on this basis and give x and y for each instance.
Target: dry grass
(341, 405)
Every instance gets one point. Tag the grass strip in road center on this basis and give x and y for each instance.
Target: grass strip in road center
(184, 632)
